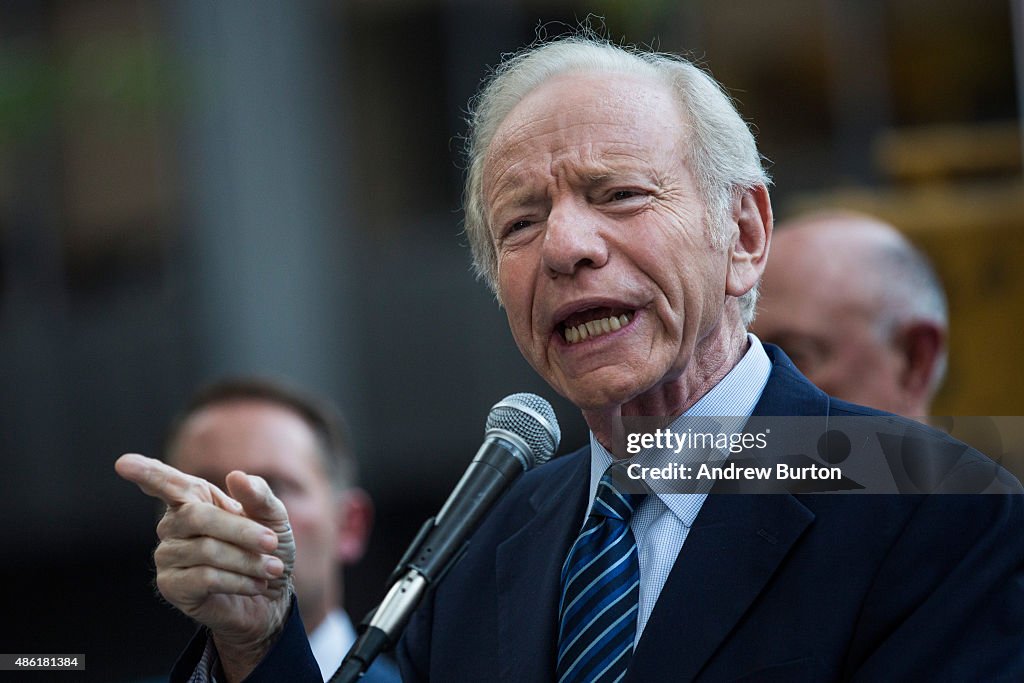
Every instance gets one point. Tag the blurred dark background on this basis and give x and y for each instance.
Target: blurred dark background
(190, 188)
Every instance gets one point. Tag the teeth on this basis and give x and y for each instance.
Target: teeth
(595, 328)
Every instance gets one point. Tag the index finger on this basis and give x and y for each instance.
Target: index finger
(170, 485)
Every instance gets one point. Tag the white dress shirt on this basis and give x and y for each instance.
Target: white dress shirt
(662, 522)
(331, 640)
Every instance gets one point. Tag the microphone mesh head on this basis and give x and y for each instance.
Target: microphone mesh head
(532, 419)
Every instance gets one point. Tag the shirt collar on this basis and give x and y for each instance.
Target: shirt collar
(735, 395)
(330, 640)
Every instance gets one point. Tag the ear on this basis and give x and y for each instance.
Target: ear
(354, 512)
(752, 215)
(921, 344)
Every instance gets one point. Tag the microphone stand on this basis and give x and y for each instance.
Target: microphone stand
(381, 628)
(439, 544)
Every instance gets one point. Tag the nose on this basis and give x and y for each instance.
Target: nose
(573, 239)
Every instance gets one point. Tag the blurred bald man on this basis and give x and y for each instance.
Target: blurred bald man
(859, 310)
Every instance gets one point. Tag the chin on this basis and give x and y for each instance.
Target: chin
(597, 395)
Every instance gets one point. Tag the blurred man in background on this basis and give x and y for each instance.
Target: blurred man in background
(300, 446)
(858, 309)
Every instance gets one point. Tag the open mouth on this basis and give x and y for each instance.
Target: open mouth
(594, 322)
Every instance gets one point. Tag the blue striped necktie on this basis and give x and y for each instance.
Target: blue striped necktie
(600, 592)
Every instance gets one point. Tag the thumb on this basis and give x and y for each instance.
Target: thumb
(261, 505)
(258, 501)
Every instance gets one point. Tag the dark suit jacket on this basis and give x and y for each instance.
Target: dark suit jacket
(290, 660)
(767, 587)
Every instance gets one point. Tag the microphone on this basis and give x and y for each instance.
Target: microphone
(521, 432)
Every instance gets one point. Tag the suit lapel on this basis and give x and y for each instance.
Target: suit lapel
(735, 546)
(787, 391)
(529, 567)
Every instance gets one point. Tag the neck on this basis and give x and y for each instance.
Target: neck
(317, 606)
(710, 362)
(314, 619)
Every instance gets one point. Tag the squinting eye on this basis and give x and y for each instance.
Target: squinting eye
(519, 225)
(622, 194)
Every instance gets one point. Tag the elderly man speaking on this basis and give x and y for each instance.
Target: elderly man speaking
(617, 206)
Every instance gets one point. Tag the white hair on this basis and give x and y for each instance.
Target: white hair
(910, 290)
(720, 148)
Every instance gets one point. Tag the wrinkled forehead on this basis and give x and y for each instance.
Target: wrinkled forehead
(615, 98)
(595, 120)
(246, 431)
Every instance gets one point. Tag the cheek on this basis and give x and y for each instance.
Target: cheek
(877, 365)
(687, 306)
(685, 267)
(851, 369)
(310, 521)
(516, 294)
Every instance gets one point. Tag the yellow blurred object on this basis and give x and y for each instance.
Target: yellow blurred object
(935, 152)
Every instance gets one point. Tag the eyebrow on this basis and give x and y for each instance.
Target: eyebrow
(522, 193)
(519, 195)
